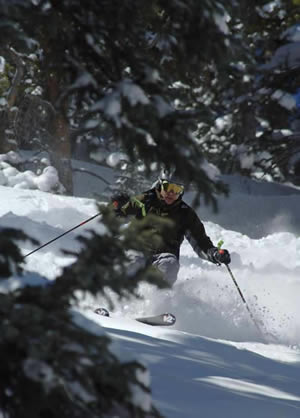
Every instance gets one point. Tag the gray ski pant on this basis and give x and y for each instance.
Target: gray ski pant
(167, 263)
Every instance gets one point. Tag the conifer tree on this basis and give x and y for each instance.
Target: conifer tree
(55, 364)
(155, 72)
(134, 66)
(256, 126)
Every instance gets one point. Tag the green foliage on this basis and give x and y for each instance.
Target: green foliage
(11, 257)
(56, 369)
(131, 180)
(156, 75)
(134, 66)
(4, 84)
(254, 133)
(56, 364)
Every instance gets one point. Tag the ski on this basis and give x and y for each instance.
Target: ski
(102, 312)
(165, 319)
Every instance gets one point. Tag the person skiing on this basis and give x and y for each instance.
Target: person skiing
(164, 199)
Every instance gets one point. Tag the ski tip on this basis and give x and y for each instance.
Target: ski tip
(165, 319)
(101, 312)
(169, 318)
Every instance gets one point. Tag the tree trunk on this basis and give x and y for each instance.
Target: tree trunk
(61, 147)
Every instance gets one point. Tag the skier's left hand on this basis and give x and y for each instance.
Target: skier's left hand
(222, 256)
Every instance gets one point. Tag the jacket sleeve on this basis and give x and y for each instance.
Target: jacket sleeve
(197, 237)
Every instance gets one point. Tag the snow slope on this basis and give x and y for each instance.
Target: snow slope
(193, 376)
(213, 362)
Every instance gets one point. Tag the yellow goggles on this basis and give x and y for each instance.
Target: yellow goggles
(172, 187)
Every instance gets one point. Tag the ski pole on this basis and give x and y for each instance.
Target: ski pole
(60, 236)
(220, 243)
(243, 299)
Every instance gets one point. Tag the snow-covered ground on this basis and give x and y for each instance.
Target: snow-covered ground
(213, 363)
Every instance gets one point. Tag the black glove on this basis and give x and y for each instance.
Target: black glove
(218, 256)
(118, 200)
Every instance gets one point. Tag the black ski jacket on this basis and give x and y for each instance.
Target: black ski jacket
(186, 223)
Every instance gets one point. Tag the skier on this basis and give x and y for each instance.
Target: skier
(164, 199)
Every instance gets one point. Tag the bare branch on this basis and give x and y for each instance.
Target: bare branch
(20, 65)
(83, 170)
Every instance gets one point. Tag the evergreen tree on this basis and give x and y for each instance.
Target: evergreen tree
(155, 73)
(160, 77)
(134, 66)
(256, 131)
(54, 364)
